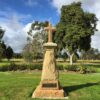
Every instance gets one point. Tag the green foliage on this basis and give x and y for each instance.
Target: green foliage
(39, 27)
(9, 52)
(34, 48)
(33, 66)
(64, 56)
(27, 53)
(14, 67)
(75, 28)
(60, 67)
(75, 57)
(17, 55)
(1, 52)
(72, 68)
(4, 50)
(92, 53)
(81, 69)
(1, 33)
(1, 49)
(87, 69)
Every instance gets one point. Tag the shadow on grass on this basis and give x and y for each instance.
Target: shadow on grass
(69, 89)
(31, 92)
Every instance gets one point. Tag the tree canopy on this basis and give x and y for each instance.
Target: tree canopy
(75, 28)
(1, 33)
(1, 49)
(9, 52)
(36, 37)
(92, 53)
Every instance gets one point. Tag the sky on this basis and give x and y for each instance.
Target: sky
(16, 18)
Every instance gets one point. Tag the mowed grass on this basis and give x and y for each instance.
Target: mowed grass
(20, 85)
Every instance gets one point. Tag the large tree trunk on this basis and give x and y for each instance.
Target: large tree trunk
(71, 58)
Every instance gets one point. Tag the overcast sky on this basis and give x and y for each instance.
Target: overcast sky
(16, 17)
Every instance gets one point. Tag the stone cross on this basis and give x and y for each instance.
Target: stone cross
(49, 86)
(50, 29)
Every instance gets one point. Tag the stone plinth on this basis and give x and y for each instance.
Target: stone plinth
(48, 93)
(49, 86)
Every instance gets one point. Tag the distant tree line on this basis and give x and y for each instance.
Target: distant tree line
(91, 54)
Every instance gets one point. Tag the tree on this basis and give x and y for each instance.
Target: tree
(75, 29)
(1, 52)
(90, 54)
(1, 35)
(9, 53)
(4, 49)
(27, 53)
(34, 48)
(17, 55)
(64, 56)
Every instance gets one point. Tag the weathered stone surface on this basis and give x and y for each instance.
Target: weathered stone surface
(49, 71)
(48, 93)
(49, 86)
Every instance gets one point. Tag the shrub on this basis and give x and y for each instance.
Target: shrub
(35, 66)
(60, 67)
(80, 68)
(71, 67)
(4, 68)
(14, 67)
(88, 69)
(76, 68)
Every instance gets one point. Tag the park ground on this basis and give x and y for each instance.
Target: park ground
(19, 85)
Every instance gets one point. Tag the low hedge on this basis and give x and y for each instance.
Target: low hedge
(81, 68)
(14, 67)
(76, 68)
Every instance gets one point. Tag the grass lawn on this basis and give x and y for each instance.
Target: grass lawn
(20, 85)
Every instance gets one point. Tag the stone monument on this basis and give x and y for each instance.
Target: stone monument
(49, 86)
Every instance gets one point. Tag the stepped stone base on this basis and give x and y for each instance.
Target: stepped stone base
(48, 93)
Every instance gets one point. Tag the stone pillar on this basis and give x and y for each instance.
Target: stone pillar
(49, 71)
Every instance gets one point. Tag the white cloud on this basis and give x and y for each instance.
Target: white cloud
(96, 40)
(27, 27)
(15, 32)
(88, 5)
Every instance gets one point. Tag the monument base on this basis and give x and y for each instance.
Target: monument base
(48, 93)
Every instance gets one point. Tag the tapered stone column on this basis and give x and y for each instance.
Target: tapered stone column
(49, 86)
(50, 71)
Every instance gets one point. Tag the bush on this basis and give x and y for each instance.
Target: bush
(88, 69)
(60, 67)
(76, 68)
(35, 66)
(4, 68)
(72, 68)
(80, 68)
(14, 67)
